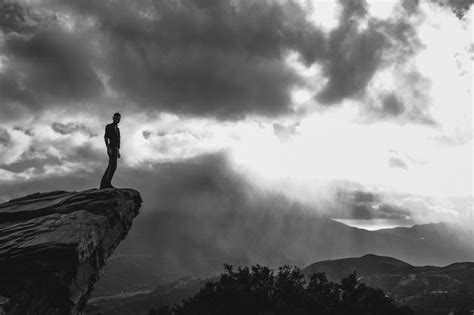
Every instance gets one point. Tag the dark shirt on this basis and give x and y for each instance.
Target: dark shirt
(112, 132)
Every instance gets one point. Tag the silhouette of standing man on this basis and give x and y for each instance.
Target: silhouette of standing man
(112, 141)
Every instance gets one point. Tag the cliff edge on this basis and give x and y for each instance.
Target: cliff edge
(53, 247)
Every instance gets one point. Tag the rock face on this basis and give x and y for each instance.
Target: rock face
(53, 247)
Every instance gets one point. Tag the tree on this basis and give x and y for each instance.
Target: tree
(257, 290)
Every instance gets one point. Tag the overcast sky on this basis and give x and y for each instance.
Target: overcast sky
(303, 98)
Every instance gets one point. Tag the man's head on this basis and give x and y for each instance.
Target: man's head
(116, 118)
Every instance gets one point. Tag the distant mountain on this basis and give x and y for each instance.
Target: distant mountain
(425, 289)
(370, 264)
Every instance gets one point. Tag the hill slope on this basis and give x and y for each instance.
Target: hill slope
(425, 289)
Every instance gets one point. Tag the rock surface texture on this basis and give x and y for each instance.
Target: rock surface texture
(53, 247)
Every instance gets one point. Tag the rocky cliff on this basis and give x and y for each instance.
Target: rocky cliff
(53, 247)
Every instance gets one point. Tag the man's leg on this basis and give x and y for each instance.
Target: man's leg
(113, 167)
(109, 172)
(103, 181)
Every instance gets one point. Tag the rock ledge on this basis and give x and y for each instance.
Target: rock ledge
(53, 247)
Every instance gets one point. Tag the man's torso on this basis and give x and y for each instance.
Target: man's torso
(112, 132)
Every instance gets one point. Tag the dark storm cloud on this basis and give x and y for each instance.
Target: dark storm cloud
(356, 53)
(226, 59)
(362, 196)
(392, 105)
(27, 163)
(37, 160)
(146, 134)
(21, 187)
(43, 65)
(410, 6)
(410, 104)
(223, 59)
(387, 106)
(217, 58)
(366, 205)
(86, 153)
(459, 7)
(391, 211)
(16, 18)
(352, 56)
(69, 128)
(11, 89)
(352, 63)
(5, 137)
(54, 65)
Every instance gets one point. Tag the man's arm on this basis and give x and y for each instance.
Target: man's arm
(118, 149)
(107, 144)
(107, 141)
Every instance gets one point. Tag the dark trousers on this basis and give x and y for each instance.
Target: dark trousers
(109, 172)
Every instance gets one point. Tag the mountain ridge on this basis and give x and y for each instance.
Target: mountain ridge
(425, 289)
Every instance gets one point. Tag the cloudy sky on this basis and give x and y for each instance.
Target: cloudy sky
(320, 101)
